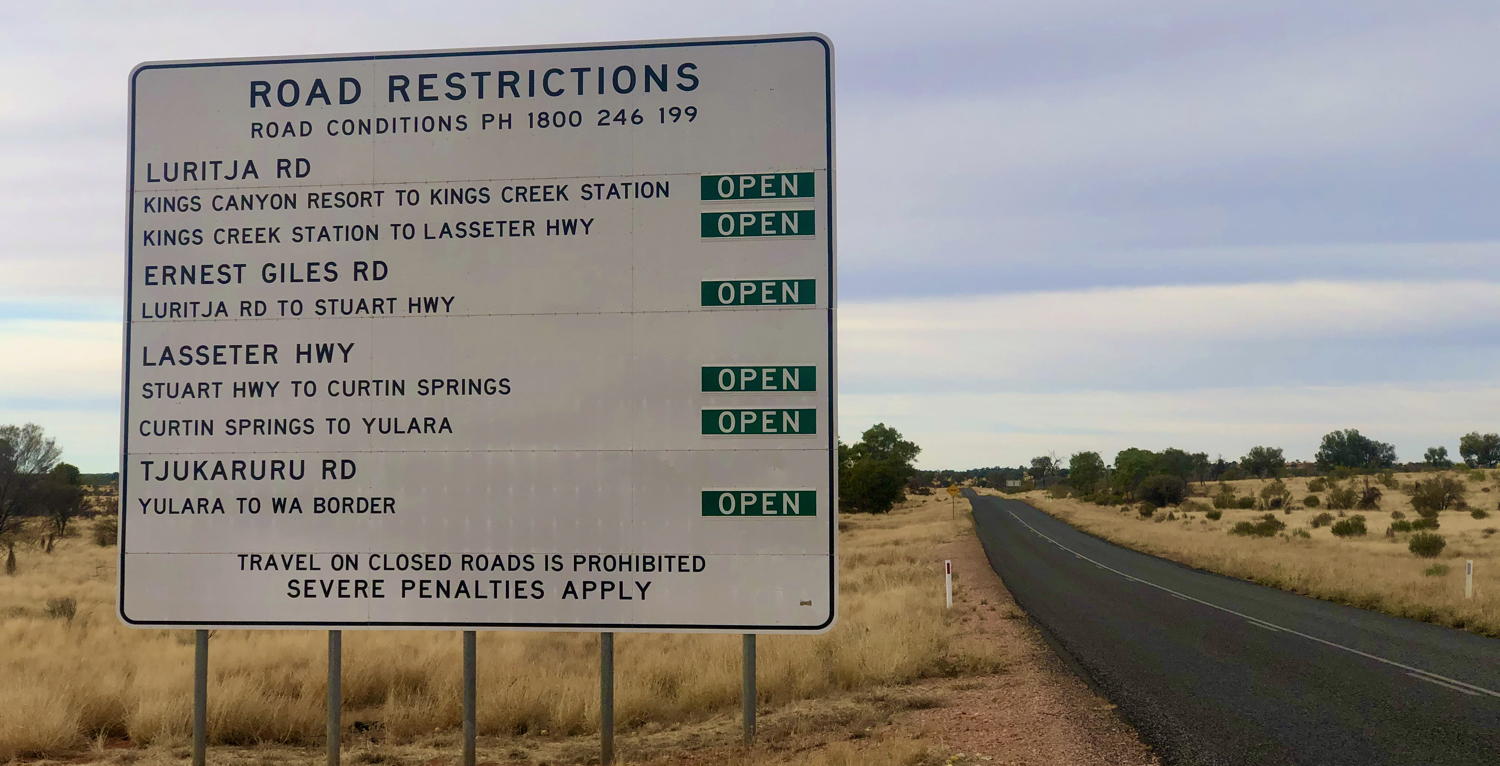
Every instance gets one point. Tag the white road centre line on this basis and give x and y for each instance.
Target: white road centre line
(1425, 675)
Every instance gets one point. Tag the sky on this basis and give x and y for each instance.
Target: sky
(1063, 225)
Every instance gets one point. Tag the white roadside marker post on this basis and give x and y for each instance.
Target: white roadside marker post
(1469, 578)
(948, 583)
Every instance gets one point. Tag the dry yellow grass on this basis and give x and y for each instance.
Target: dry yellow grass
(72, 683)
(1374, 572)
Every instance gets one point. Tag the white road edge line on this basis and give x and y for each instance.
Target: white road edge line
(1443, 684)
(1426, 675)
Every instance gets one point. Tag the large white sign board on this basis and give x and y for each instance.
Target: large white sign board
(515, 338)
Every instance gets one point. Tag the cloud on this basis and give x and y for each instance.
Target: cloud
(1175, 337)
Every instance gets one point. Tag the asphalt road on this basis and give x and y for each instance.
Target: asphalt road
(1213, 670)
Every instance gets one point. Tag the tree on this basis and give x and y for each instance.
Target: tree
(1351, 449)
(1162, 489)
(1437, 457)
(59, 495)
(1480, 450)
(1263, 462)
(1132, 466)
(1086, 472)
(1043, 468)
(26, 455)
(873, 472)
(1176, 462)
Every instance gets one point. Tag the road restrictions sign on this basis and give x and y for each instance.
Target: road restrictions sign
(511, 338)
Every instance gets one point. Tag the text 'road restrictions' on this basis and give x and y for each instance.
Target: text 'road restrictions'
(457, 339)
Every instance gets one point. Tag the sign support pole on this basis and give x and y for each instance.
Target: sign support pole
(747, 689)
(200, 698)
(335, 694)
(470, 671)
(606, 698)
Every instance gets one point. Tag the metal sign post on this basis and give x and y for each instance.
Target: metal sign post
(470, 696)
(200, 697)
(606, 698)
(335, 695)
(747, 688)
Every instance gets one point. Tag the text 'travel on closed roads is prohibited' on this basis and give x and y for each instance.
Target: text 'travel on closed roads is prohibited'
(532, 337)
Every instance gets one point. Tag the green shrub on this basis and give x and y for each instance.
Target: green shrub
(1317, 485)
(1245, 503)
(1418, 525)
(1479, 513)
(1215, 514)
(1397, 515)
(1436, 494)
(1427, 544)
(1302, 533)
(1311, 501)
(1398, 526)
(64, 608)
(1162, 489)
(1225, 498)
(1267, 526)
(1145, 510)
(1369, 498)
(1275, 495)
(1342, 498)
(1354, 526)
(1321, 520)
(1436, 570)
(107, 531)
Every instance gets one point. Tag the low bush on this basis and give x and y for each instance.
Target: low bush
(1479, 513)
(1354, 526)
(1421, 524)
(62, 608)
(1192, 506)
(1302, 533)
(1321, 520)
(1225, 497)
(1275, 495)
(1387, 479)
(1245, 503)
(107, 531)
(1397, 515)
(1145, 510)
(1318, 484)
(1436, 494)
(1436, 570)
(1398, 526)
(1427, 544)
(1267, 526)
(1342, 498)
(1369, 499)
(1215, 514)
(1311, 501)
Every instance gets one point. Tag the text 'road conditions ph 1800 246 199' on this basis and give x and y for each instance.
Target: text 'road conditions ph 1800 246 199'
(532, 338)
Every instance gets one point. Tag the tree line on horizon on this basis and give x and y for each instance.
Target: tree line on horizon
(1165, 474)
